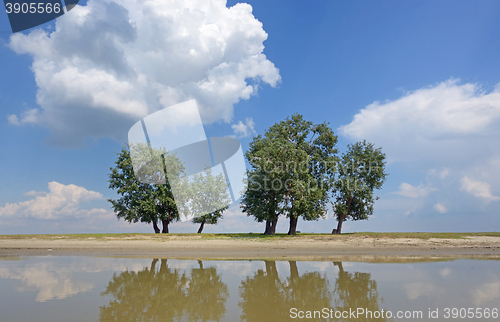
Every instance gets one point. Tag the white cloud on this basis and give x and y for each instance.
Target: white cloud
(441, 174)
(242, 130)
(61, 201)
(12, 119)
(440, 208)
(407, 190)
(478, 189)
(433, 123)
(108, 64)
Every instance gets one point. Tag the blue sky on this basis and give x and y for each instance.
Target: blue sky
(417, 78)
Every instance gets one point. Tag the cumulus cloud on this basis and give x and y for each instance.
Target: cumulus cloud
(478, 189)
(50, 283)
(407, 190)
(440, 208)
(242, 130)
(433, 123)
(109, 63)
(61, 201)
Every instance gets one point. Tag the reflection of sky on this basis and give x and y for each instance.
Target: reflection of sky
(45, 286)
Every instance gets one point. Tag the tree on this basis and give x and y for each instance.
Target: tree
(215, 194)
(292, 170)
(360, 171)
(147, 198)
(263, 204)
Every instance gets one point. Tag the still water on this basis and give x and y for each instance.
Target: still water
(131, 289)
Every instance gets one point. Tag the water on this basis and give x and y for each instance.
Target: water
(53, 288)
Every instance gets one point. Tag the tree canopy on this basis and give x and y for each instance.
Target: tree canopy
(360, 171)
(142, 200)
(292, 167)
(214, 194)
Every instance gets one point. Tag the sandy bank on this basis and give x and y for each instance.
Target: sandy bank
(306, 248)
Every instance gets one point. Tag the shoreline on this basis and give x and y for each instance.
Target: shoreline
(350, 248)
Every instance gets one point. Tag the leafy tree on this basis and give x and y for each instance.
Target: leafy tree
(295, 161)
(215, 193)
(149, 199)
(360, 171)
(263, 204)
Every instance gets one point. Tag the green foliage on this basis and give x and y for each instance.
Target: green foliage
(139, 201)
(215, 195)
(292, 169)
(360, 171)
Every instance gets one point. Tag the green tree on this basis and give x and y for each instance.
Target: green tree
(215, 195)
(297, 158)
(262, 204)
(360, 171)
(147, 198)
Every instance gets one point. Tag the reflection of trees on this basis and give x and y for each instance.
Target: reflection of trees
(266, 297)
(206, 295)
(262, 296)
(356, 290)
(165, 294)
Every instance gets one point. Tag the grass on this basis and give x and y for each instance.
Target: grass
(418, 235)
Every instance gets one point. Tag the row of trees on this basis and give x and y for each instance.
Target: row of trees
(295, 173)
(163, 293)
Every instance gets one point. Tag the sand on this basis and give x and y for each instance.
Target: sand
(304, 248)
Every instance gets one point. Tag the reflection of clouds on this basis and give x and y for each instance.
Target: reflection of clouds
(445, 272)
(51, 283)
(487, 292)
(415, 290)
(241, 268)
(321, 266)
(55, 278)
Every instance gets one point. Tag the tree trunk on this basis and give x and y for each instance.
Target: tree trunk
(293, 225)
(272, 230)
(268, 227)
(201, 227)
(165, 223)
(342, 217)
(155, 227)
(339, 226)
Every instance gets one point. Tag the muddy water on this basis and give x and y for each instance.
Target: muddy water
(104, 289)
